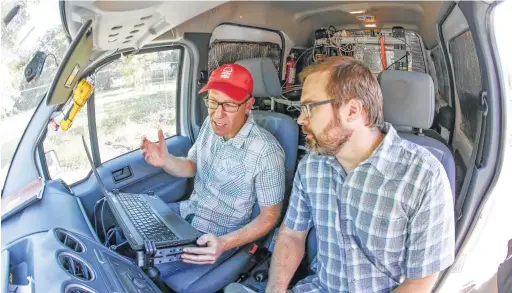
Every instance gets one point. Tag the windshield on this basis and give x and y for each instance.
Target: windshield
(35, 27)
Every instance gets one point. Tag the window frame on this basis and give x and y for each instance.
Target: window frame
(442, 57)
(91, 109)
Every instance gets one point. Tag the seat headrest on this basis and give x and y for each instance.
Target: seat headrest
(409, 98)
(265, 78)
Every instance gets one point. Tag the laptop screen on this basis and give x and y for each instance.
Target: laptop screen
(89, 157)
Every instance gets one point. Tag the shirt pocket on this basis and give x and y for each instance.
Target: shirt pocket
(229, 171)
(384, 238)
(380, 230)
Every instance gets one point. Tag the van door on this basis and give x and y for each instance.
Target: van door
(134, 96)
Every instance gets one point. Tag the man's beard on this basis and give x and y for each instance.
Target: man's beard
(330, 141)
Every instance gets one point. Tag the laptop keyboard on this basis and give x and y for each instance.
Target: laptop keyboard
(144, 220)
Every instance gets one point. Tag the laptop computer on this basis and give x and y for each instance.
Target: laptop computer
(146, 218)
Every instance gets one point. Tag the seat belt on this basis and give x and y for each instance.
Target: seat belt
(475, 161)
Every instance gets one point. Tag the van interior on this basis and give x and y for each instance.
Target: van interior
(144, 63)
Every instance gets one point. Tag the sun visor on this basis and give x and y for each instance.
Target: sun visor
(76, 59)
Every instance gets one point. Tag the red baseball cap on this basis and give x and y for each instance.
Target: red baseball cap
(231, 79)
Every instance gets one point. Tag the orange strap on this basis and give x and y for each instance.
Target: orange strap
(382, 53)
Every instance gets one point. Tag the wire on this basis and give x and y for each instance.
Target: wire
(406, 53)
(302, 54)
(54, 58)
(401, 40)
(110, 233)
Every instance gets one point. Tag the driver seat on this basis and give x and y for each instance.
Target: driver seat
(286, 130)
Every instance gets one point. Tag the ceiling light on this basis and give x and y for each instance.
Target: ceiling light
(357, 11)
(370, 25)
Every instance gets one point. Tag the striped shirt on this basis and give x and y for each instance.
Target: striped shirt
(233, 175)
(388, 219)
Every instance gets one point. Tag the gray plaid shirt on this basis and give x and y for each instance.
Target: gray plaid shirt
(390, 218)
(232, 176)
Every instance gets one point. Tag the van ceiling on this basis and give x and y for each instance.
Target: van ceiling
(168, 20)
(298, 19)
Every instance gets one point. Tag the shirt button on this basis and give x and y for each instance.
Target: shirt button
(352, 280)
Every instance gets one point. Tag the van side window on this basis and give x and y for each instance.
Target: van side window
(468, 82)
(134, 97)
(443, 80)
(64, 152)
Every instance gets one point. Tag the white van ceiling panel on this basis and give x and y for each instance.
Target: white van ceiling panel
(125, 24)
(298, 19)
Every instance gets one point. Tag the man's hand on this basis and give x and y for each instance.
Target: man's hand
(155, 153)
(204, 255)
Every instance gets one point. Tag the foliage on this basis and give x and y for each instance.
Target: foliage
(18, 95)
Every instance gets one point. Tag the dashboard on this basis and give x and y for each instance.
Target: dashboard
(49, 247)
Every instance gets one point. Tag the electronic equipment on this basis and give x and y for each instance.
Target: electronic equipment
(152, 229)
(35, 66)
(400, 56)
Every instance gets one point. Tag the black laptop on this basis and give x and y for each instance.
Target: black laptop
(146, 218)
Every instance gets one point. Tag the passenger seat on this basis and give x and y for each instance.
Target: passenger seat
(409, 105)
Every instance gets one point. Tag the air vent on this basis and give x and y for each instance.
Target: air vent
(134, 32)
(113, 35)
(126, 42)
(138, 25)
(75, 288)
(117, 27)
(146, 17)
(69, 241)
(76, 267)
(129, 37)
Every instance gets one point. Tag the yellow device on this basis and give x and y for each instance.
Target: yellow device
(80, 96)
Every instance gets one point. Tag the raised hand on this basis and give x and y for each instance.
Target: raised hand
(155, 153)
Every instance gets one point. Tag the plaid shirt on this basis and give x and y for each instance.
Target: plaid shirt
(231, 176)
(390, 218)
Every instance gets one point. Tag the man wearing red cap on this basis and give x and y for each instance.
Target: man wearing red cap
(236, 164)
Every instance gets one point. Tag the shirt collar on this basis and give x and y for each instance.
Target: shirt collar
(243, 133)
(383, 150)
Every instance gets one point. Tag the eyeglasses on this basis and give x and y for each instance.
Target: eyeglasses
(230, 107)
(306, 109)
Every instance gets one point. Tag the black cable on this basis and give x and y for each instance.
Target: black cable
(406, 53)
(54, 58)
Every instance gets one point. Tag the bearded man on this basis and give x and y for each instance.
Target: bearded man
(381, 205)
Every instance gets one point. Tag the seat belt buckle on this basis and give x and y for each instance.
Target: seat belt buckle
(253, 249)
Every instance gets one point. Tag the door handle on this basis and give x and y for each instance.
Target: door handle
(122, 174)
